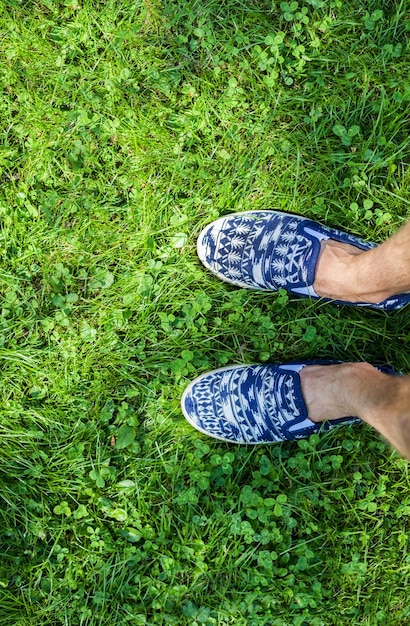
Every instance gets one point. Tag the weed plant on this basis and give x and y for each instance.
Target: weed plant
(127, 125)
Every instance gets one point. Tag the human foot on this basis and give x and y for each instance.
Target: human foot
(333, 391)
(259, 404)
(379, 399)
(344, 272)
(272, 250)
(253, 404)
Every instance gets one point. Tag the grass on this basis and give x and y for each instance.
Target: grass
(127, 126)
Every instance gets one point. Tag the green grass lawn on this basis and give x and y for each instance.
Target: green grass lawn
(127, 125)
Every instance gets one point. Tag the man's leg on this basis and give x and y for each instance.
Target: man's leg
(346, 273)
(383, 401)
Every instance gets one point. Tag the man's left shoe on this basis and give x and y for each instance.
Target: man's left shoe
(252, 404)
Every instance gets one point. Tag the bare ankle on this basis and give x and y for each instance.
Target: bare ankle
(389, 411)
(404, 426)
(334, 391)
(359, 389)
(368, 285)
(336, 272)
(345, 272)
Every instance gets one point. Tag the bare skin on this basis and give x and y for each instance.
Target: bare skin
(346, 389)
(332, 391)
(346, 273)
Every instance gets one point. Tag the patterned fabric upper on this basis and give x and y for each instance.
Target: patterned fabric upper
(273, 250)
(263, 250)
(248, 404)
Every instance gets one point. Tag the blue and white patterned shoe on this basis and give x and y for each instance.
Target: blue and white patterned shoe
(270, 250)
(254, 404)
(251, 404)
